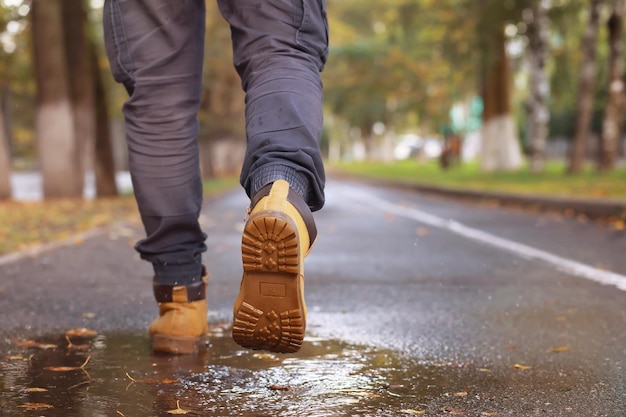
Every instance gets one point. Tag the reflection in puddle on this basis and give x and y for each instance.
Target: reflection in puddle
(122, 378)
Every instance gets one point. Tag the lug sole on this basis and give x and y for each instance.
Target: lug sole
(271, 316)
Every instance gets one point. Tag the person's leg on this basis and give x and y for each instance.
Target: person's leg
(280, 47)
(155, 48)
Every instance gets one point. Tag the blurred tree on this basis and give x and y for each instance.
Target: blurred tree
(104, 165)
(80, 84)
(54, 121)
(222, 124)
(536, 18)
(5, 161)
(586, 85)
(613, 118)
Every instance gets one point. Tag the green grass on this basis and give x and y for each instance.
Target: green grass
(553, 181)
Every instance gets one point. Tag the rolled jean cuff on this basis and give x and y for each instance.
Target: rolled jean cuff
(274, 172)
(177, 274)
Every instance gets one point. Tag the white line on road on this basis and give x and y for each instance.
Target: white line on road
(526, 252)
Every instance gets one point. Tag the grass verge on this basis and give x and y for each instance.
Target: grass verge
(553, 181)
(28, 224)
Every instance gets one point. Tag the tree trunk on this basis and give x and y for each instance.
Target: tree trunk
(5, 161)
(54, 124)
(501, 149)
(539, 114)
(586, 84)
(611, 126)
(81, 86)
(104, 164)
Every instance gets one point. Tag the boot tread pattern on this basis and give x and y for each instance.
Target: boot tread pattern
(282, 333)
(269, 244)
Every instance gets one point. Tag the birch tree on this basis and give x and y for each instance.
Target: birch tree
(54, 124)
(537, 21)
(586, 85)
(613, 117)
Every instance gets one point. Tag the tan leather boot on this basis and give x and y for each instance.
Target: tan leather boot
(270, 312)
(182, 326)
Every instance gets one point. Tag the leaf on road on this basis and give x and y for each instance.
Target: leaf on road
(68, 368)
(489, 413)
(484, 369)
(72, 346)
(422, 231)
(36, 406)
(521, 367)
(453, 411)
(558, 349)
(279, 387)
(15, 358)
(410, 411)
(36, 345)
(35, 389)
(82, 332)
(460, 394)
(178, 410)
(151, 380)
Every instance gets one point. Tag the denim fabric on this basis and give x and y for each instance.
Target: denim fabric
(155, 49)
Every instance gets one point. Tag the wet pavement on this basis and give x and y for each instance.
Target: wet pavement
(409, 314)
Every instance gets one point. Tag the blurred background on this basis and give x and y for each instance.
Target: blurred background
(436, 91)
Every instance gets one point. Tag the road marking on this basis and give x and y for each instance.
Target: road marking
(523, 251)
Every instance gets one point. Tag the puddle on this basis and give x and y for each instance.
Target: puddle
(122, 378)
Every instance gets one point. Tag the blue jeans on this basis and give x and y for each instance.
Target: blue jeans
(155, 49)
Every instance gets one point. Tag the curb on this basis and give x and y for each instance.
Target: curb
(589, 207)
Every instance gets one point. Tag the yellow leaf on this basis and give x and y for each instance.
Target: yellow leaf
(36, 406)
(36, 390)
(83, 332)
(460, 394)
(410, 411)
(178, 410)
(422, 231)
(558, 349)
(33, 344)
(521, 367)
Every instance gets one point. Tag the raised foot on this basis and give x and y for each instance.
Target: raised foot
(270, 243)
(272, 331)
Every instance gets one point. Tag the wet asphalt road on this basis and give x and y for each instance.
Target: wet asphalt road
(417, 306)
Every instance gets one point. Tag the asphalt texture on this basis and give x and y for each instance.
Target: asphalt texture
(417, 305)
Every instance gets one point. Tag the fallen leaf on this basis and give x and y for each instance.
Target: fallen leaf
(33, 344)
(410, 411)
(36, 406)
(36, 390)
(68, 368)
(14, 357)
(558, 349)
(453, 411)
(460, 394)
(280, 387)
(489, 413)
(151, 380)
(178, 410)
(82, 332)
(521, 367)
(484, 370)
(89, 315)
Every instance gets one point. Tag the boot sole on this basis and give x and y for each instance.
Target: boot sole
(179, 345)
(271, 316)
